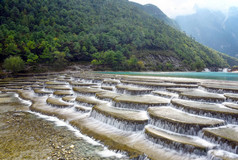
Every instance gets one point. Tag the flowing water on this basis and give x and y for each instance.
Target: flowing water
(30, 135)
(85, 115)
(200, 75)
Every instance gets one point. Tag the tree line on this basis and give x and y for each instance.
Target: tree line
(107, 33)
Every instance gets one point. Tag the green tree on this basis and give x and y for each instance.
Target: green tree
(141, 65)
(114, 60)
(1, 49)
(14, 64)
(59, 60)
(11, 49)
(31, 45)
(30, 28)
(169, 66)
(132, 63)
(46, 56)
(32, 58)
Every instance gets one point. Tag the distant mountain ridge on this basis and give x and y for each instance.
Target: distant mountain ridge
(213, 29)
(157, 13)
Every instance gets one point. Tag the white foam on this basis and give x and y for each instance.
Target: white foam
(223, 153)
(109, 153)
(28, 103)
(59, 122)
(235, 127)
(195, 138)
(105, 153)
(204, 142)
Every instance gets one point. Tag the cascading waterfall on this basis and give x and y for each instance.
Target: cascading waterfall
(177, 146)
(175, 127)
(223, 144)
(113, 130)
(131, 105)
(232, 119)
(120, 124)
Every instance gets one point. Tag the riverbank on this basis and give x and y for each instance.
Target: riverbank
(43, 68)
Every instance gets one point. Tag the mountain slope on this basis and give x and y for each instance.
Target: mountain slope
(213, 28)
(157, 13)
(113, 33)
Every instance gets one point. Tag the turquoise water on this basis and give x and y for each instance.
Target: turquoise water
(200, 75)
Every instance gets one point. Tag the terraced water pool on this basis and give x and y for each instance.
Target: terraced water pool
(160, 118)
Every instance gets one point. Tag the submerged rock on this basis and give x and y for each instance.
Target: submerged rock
(139, 102)
(110, 88)
(165, 94)
(221, 154)
(189, 144)
(58, 87)
(54, 83)
(42, 92)
(178, 121)
(4, 95)
(135, 144)
(222, 87)
(81, 84)
(69, 98)
(110, 81)
(231, 105)
(88, 101)
(9, 100)
(180, 90)
(202, 95)
(225, 136)
(15, 87)
(82, 109)
(160, 85)
(63, 93)
(107, 95)
(208, 109)
(121, 118)
(122, 114)
(231, 96)
(56, 102)
(133, 90)
(86, 90)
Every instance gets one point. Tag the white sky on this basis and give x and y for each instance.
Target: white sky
(173, 8)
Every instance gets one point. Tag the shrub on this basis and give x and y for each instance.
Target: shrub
(59, 60)
(14, 64)
(141, 65)
(235, 68)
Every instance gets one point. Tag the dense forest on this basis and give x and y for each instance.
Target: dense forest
(111, 34)
(157, 13)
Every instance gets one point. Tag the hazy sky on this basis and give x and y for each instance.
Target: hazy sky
(173, 8)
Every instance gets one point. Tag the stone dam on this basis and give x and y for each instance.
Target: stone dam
(145, 117)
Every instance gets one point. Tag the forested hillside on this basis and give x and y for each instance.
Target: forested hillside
(157, 13)
(113, 34)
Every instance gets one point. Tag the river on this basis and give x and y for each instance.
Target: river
(88, 115)
(200, 75)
